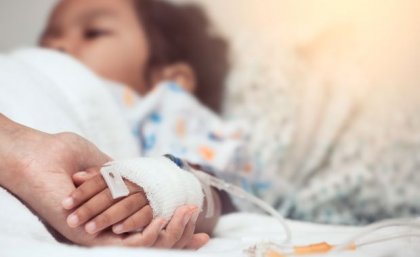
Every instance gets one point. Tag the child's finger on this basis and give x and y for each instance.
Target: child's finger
(91, 208)
(117, 212)
(84, 192)
(197, 241)
(137, 221)
(188, 232)
(187, 236)
(148, 237)
(175, 229)
(82, 176)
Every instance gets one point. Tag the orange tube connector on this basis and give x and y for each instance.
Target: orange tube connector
(318, 248)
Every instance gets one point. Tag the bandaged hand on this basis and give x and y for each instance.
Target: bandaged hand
(95, 209)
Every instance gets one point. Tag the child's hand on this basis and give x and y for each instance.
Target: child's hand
(95, 206)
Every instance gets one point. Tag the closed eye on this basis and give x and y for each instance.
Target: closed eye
(91, 34)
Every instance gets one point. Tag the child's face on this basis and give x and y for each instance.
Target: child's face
(105, 35)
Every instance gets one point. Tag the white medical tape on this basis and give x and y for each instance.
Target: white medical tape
(166, 186)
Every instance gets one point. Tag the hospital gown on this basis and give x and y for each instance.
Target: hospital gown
(170, 120)
(339, 191)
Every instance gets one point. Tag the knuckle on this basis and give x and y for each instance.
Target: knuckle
(173, 236)
(130, 224)
(148, 240)
(77, 195)
(128, 207)
(66, 137)
(99, 181)
(94, 170)
(137, 201)
(107, 195)
(62, 141)
(103, 219)
(84, 213)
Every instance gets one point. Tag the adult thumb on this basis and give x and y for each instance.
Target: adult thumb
(85, 154)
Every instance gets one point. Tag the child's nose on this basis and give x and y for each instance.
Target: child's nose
(62, 44)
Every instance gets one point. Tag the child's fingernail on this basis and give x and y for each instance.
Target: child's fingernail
(193, 208)
(73, 220)
(68, 202)
(118, 229)
(187, 217)
(81, 173)
(195, 216)
(162, 224)
(91, 227)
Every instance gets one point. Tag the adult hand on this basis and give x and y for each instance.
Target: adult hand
(37, 167)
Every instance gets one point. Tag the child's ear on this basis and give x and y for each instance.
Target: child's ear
(180, 72)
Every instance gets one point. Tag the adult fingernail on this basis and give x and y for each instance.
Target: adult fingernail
(68, 202)
(73, 220)
(118, 229)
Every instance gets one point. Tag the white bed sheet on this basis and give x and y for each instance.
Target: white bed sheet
(22, 234)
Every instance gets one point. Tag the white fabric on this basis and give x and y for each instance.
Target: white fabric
(53, 93)
(22, 235)
(165, 184)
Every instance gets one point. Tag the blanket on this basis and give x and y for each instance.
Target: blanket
(52, 92)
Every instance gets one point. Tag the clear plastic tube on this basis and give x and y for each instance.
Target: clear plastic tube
(240, 193)
(410, 223)
(210, 181)
(389, 238)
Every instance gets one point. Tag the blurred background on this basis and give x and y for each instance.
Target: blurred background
(382, 36)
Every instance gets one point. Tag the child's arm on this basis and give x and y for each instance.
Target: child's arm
(98, 211)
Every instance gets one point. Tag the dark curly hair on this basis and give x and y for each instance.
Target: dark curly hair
(182, 33)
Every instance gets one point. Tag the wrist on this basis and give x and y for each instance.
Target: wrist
(10, 136)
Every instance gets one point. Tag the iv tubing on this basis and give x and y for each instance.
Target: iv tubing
(240, 193)
(411, 223)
